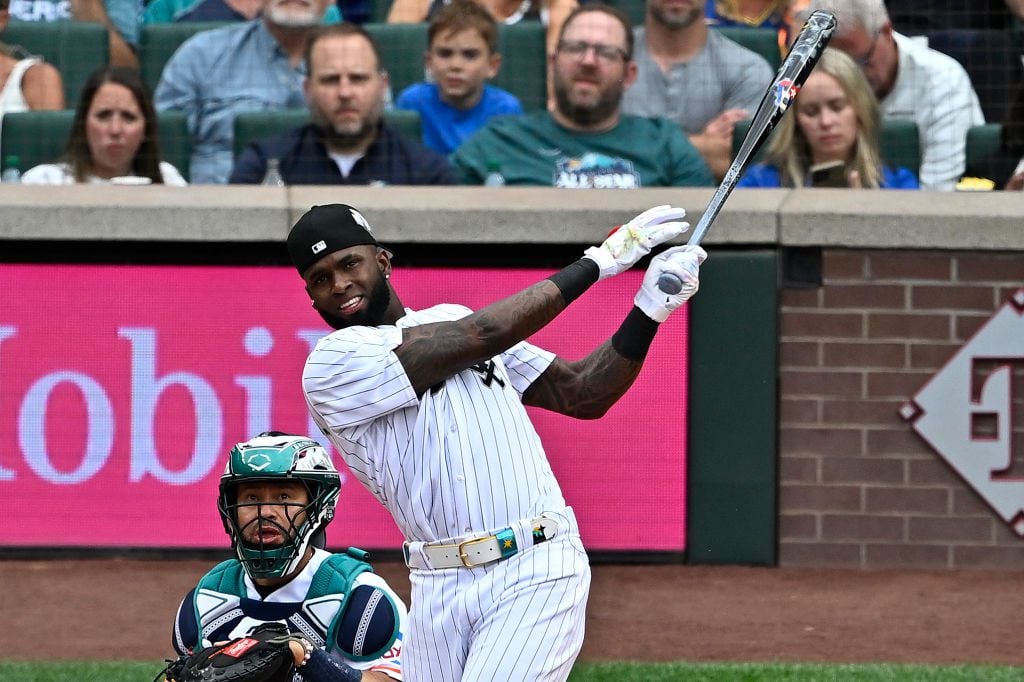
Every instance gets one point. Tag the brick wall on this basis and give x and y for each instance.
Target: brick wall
(858, 487)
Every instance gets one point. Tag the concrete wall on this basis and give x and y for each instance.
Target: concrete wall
(906, 278)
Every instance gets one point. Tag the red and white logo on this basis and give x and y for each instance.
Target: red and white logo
(965, 412)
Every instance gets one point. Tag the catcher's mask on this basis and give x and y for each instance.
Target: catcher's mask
(278, 457)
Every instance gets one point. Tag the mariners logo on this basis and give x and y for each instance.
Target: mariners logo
(785, 93)
(595, 171)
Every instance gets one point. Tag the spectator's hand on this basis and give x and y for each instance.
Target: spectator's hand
(1015, 183)
(630, 242)
(724, 124)
(715, 142)
(854, 180)
(683, 262)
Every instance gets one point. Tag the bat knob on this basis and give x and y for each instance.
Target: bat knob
(670, 284)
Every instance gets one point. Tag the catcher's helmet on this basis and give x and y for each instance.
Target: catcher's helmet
(280, 457)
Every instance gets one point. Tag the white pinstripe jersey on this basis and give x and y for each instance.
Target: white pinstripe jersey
(462, 458)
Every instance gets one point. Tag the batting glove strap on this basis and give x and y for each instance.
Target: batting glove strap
(683, 262)
(630, 242)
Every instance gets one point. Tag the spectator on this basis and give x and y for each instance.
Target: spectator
(251, 66)
(835, 118)
(773, 14)
(171, 11)
(462, 55)
(113, 135)
(585, 140)
(695, 76)
(347, 143)
(122, 19)
(26, 82)
(911, 82)
(552, 13)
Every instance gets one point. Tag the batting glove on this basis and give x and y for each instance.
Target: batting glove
(630, 242)
(683, 262)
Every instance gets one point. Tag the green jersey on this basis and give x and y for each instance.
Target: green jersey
(534, 150)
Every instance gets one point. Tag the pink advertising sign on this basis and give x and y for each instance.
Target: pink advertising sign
(123, 387)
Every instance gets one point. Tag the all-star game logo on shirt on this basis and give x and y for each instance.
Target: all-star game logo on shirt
(595, 171)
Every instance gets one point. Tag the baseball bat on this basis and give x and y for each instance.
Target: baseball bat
(799, 63)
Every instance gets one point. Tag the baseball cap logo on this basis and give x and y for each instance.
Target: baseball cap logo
(319, 246)
(358, 217)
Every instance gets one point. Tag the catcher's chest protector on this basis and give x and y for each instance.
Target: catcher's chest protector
(223, 611)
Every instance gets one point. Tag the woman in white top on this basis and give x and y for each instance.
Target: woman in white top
(114, 135)
(25, 83)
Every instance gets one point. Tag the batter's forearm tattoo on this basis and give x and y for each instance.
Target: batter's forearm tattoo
(431, 353)
(584, 389)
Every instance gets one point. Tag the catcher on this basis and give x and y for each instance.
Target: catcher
(286, 610)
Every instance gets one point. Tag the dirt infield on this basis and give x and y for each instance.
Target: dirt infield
(122, 609)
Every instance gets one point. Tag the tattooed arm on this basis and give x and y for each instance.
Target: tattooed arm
(587, 388)
(431, 353)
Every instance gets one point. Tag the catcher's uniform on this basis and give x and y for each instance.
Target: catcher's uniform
(336, 602)
(499, 575)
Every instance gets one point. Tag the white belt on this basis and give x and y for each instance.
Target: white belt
(480, 550)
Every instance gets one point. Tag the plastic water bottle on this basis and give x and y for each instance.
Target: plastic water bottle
(494, 177)
(273, 177)
(12, 170)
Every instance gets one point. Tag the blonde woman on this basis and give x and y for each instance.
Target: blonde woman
(831, 136)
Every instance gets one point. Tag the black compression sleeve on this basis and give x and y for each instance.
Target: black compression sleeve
(322, 668)
(576, 278)
(635, 334)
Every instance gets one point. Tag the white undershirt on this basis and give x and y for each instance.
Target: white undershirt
(345, 162)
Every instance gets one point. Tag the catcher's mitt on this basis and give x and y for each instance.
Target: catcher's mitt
(261, 656)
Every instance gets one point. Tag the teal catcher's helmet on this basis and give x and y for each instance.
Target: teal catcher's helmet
(278, 457)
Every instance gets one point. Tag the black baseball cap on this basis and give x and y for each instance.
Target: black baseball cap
(326, 229)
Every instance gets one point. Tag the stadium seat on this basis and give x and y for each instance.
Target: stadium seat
(401, 50)
(524, 63)
(899, 143)
(764, 41)
(158, 43)
(983, 141)
(75, 48)
(256, 125)
(37, 137)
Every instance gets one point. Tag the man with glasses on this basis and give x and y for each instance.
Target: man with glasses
(696, 77)
(911, 81)
(584, 140)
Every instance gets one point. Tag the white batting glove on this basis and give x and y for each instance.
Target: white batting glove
(634, 240)
(681, 261)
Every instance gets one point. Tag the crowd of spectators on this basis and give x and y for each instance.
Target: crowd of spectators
(649, 103)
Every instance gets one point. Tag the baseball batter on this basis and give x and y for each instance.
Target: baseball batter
(427, 409)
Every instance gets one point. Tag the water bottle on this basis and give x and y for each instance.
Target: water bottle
(12, 170)
(273, 177)
(494, 177)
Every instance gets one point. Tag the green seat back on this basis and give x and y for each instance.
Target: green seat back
(898, 141)
(401, 52)
(524, 63)
(256, 125)
(158, 42)
(764, 41)
(982, 141)
(76, 48)
(37, 137)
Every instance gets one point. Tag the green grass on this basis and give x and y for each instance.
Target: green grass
(135, 671)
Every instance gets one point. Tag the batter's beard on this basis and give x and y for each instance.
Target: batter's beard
(585, 115)
(676, 21)
(371, 316)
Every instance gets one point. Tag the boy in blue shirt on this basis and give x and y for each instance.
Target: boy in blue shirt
(461, 57)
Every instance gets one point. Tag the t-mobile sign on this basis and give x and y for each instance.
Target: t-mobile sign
(122, 389)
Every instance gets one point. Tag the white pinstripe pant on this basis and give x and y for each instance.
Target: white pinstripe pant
(519, 619)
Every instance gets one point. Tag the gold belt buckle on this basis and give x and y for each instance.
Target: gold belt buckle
(462, 553)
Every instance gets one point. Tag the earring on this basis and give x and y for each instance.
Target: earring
(387, 275)
(312, 303)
